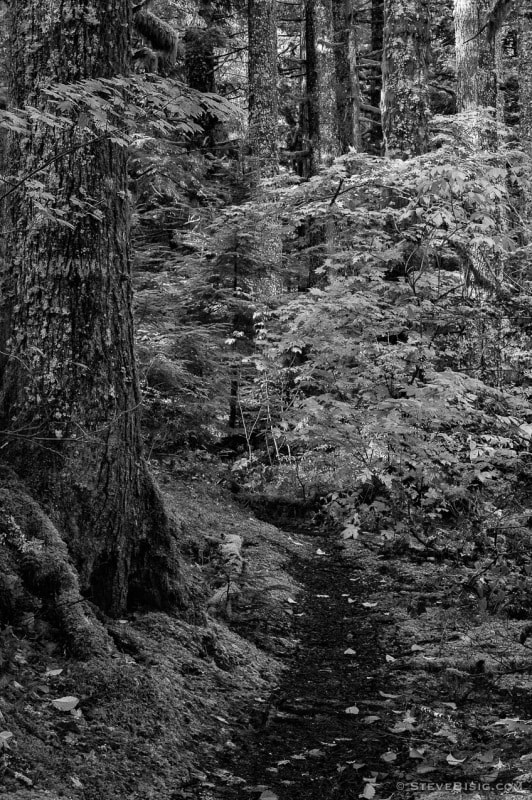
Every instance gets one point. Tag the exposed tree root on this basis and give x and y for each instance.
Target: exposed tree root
(37, 575)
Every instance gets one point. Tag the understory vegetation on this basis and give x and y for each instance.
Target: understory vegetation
(265, 342)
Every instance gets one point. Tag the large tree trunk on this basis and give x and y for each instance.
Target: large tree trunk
(69, 396)
(347, 82)
(404, 100)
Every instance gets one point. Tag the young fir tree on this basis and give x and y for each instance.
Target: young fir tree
(69, 394)
(404, 100)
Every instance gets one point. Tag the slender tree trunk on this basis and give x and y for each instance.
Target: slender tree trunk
(525, 74)
(524, 11)
(476, 69)
(69, 396)
(347, 82)
(263, 93)
(404, 100)
(321, 84)
(377, 32)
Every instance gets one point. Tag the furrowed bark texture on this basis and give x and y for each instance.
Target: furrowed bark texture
(263, 98)
(321, 84)
(404, 98)
(69, 394)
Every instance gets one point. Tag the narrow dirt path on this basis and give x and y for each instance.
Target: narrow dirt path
(312, 739)
(398, 688)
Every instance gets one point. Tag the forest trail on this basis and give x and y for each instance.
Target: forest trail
(381, 698)
(305, 745)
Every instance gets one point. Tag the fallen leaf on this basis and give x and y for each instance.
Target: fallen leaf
(454, 761)
(416, 648)
(389, 757)
(402, 727)
(447, 733)
(291, 601)
(356, 764)
(390, 659)
(487, 757)
(65, 703)
(416, 752)
(389, 696)
(76, 782)
(369, 792)
(221, 719)
(323, 595)
(53, 673)
(369, 605)
(424, 769)
(5, 736)
(316, 753)
(350, 652)
(268, 795)
(369, 720)
(352, 710)
(320, 552)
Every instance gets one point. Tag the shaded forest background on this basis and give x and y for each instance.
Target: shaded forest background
(263, 262)
(324, 208)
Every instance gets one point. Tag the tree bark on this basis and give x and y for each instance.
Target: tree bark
(524, 11)
(404, 99)
(263, 93)
(476, 69)
(347, 82)
(321, 84)
(69, 395)
(377, 32)
(265, 239)
(525, 74)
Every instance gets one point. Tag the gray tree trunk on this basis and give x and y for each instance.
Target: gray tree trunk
(347, 81)
(69, 395)
(404, 99)
(321, 84)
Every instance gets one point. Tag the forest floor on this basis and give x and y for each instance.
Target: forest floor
(342, 669)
